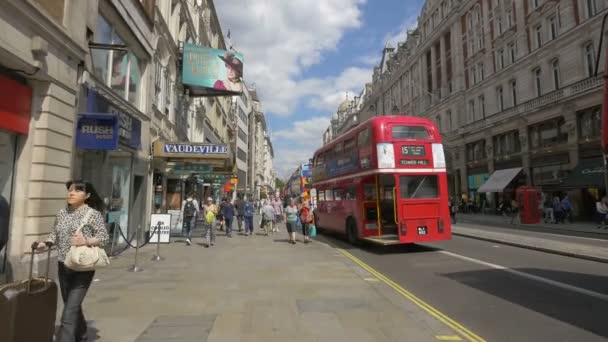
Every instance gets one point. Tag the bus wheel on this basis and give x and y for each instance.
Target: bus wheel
(351, 231)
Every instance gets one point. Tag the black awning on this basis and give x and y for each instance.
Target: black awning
(588, 173)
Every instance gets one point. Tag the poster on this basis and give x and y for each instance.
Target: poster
(165, 228)
(212, 72)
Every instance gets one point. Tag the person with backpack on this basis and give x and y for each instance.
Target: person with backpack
(239, 205)
(248, 211)
(227, 211)
(306, 218)
(187, 217)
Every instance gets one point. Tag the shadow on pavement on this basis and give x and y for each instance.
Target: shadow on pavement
(338, 241)
(577, 309)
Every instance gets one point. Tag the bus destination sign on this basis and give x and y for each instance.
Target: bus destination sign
(414, 151)
(414, 162)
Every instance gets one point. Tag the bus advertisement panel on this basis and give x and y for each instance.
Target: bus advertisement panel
(384, 181)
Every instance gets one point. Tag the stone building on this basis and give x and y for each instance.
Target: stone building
(261, 174)
(511, 85)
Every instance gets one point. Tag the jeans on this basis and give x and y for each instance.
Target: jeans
(249, 224)
(74, 286)
(188, 225)
(240, 219)
(209, 232)
(228, 224)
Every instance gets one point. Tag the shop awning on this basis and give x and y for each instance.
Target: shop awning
(499, 180)
(588, 173)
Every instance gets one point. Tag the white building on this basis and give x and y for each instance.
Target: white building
(243, 108)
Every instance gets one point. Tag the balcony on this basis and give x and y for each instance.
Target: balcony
(537, 103)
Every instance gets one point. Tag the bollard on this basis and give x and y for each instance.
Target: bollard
(157, 257)
(134, 268)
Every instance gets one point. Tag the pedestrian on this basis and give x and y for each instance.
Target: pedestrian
(452, 209)
(306, 218)
(567, 205)
(278, 212)
(515, 212)
(558, 210)
(227, 211)
(239, 206)
(291, 219)
(210, 211)
(83, 203)
(220, 215)
(268, 216)
(548, 205)
(248, 214)
(188, 216)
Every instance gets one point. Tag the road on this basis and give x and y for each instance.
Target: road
(499, 292)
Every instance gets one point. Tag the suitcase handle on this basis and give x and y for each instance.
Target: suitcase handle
(34, 247)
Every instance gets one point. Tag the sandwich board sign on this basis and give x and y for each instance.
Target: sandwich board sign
(162, 233)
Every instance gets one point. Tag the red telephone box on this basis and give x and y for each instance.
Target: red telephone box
(528, 199)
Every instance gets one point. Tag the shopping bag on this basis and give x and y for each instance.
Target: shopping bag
(312, 230)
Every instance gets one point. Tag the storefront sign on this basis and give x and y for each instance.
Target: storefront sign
(129, 128)
(162, 232)
(212, 72)
(97, 132)
(190, 150)
(15, 105)
(190, 168)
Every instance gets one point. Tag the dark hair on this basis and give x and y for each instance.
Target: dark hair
(94, 201)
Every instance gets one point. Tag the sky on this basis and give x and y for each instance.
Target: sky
(303, 57)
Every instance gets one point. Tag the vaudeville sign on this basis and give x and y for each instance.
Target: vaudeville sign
(190, 150)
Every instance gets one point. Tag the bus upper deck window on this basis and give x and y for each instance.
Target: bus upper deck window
(409, 132)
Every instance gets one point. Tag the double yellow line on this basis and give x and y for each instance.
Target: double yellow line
(466, 333)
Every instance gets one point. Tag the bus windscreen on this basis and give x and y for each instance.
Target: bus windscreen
(409, 132)
(418, 187)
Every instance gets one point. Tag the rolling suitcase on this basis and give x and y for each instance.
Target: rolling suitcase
(28, 308)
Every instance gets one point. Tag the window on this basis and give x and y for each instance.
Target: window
(480, 70)
(418, 187)
(438, 123)
(513, 85)
(548, 133)
(329, 195)
(448, 120)
(471, 116)
(535, 3)
(363, 138)
(537, 76)
(501, 58)
(338, 194)
(538, 31)
(500, 100)
(553, 27)
(482, 106)
(591, 7)
(506, 143)
(476, 150)
(242, 135)
(555, 71)
(321, 195)
(511, 48)
(589, 123)
(499, 24)
(472, 76)
(590, 59)
(509, 18)
(242, 155)
(409, 132)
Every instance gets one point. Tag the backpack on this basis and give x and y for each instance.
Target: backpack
(248, 209)
(189, 208)
(210, 216)
(306, 215)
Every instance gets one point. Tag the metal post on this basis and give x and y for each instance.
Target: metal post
(157, 256)
(134, 268)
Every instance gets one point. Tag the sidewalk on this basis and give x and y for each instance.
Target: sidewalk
(248, 288)
(523, 236)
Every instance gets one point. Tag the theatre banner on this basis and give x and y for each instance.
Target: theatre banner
(212, 72)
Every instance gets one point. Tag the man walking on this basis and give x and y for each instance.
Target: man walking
(278, 213)
(188, 216)
(210, 211)
(239, 205)
(248, 214)
(268, 217)
(227, 210)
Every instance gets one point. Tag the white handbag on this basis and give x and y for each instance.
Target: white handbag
(85, 258)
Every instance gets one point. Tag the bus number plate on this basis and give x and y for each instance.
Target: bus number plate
(415, 151)
(422, 230)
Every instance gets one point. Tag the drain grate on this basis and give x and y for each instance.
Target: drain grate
(178, 329)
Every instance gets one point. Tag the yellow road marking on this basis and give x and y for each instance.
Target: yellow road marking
(469, 335)
(448, 338)
(371, 279)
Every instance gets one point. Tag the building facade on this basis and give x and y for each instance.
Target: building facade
(261, 174)
(510, 84)
(243, 109)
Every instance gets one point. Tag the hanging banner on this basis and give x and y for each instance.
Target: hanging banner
(164, 233)
(212, 72)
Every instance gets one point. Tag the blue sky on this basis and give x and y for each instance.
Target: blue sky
(303, 56)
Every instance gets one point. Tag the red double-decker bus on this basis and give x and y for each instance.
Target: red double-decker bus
(385, 182)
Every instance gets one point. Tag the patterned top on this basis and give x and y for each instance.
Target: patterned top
(67, 222)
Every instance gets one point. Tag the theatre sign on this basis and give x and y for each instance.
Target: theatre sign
(190, 150)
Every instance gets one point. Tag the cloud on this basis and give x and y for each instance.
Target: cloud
(280, 39)
(369, 60)
(296, 144)
(399, 35)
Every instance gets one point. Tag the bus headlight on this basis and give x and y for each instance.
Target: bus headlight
(386, 155)
(438, 156)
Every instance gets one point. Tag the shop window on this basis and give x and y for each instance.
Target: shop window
(549, 174)
(507, 143)
(476, 150)
(589, 122)
(548, 133)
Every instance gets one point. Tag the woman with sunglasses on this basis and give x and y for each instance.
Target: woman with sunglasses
(82, 199)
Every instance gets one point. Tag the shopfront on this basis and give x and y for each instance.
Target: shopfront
(108, 140)
(15, 113)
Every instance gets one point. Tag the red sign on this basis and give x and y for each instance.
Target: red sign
(15, 105)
